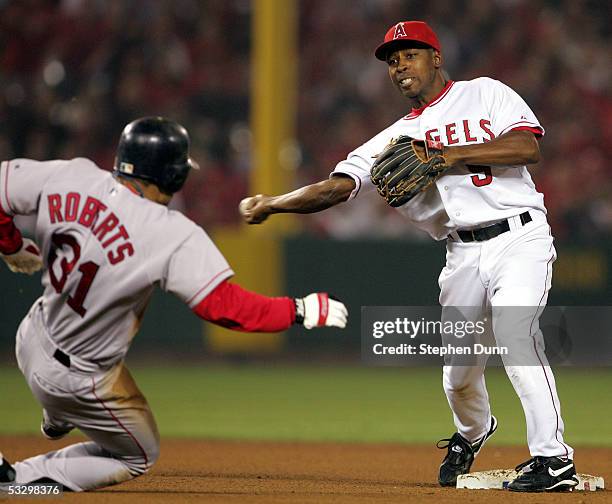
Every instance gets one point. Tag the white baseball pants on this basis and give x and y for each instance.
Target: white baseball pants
(513, 269)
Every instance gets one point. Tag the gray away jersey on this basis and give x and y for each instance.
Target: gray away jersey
(104, 250)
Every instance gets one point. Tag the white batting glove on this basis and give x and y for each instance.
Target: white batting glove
(318, 310)
(26, 260)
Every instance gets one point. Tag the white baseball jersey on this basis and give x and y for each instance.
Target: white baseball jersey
(483, 274)
(105, 249)
(465, 112)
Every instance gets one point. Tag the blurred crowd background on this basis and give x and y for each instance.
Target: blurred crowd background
(74, 72)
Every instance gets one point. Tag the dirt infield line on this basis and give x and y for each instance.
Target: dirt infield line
(262, 472)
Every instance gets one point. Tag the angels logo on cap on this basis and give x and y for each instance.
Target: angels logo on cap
(415, 31)
(399, 31)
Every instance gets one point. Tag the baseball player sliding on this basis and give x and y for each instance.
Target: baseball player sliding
(456, 167)
(106, 241)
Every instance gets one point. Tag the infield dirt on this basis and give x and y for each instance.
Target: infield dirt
(262, 472)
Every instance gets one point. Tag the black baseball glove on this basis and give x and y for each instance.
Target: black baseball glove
(406, 167)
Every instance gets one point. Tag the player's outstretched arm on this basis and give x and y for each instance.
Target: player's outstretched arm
(229, 305)
(308, 199)
(513, 148)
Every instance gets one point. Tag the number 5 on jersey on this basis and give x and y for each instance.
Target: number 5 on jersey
(483, 175)
(88, 271)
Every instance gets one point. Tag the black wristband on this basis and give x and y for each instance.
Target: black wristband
(300, 310)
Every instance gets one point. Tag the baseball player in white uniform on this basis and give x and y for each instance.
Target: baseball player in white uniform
(499, 247)
(106, 240)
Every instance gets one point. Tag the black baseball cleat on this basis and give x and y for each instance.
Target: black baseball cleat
(7, 473)
(545, 474)
(460, 456)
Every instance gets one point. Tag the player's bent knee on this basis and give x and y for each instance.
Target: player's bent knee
(138, 468)
(139, 465)
(153, 455)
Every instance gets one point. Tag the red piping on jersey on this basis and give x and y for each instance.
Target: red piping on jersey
(207, 284)
(231, 306)
(536, 131)
(535, 349)
(526, 124)
(109, 411)
(133, 189)
(517, 122)
(416, 112)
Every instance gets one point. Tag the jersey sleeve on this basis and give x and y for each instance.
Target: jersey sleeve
(21, 184)
(508, 111)
(231, 306)
(196, 268)
(359, 162)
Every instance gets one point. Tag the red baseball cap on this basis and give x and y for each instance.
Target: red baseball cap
(417, 31)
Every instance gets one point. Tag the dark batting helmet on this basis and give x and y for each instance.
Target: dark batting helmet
(156, 150)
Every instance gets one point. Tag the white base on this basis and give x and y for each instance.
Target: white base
(498, 479)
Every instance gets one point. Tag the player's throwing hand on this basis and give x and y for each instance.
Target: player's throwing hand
(254, 209)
